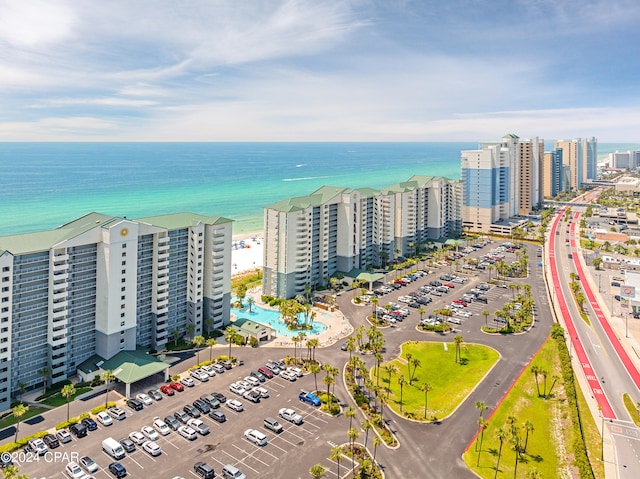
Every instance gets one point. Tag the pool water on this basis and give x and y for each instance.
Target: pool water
(271, 317)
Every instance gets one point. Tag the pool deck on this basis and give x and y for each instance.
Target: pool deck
(337, 325)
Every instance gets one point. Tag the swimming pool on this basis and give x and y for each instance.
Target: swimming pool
(271, 317)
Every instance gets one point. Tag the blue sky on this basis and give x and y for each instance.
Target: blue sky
(378, 70)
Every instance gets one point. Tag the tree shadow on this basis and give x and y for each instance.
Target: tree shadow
(464, 361)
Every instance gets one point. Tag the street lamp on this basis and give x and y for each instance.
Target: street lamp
(602, 433)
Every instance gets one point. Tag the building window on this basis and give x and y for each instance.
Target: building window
(5, 279)
(124, 262)
(122, 306)
(124, 280)
(122, 315)
(124, 245)
(122, 323)
(5, 269)
(5, 289)
(122, 297)
(123, 289)
(124, 271)
(124, 254)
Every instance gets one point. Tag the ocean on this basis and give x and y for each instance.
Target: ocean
(44, 185)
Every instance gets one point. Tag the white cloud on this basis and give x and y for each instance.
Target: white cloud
(34, 23)
(57, 129)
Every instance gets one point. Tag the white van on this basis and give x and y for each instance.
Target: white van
(232, 472)
(113, 448)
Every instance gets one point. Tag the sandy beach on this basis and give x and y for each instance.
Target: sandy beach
(248, 257)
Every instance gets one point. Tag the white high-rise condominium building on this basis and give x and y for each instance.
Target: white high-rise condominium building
(309, 238)
(581, 156)
(101, 285)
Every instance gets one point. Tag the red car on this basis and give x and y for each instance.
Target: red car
(449, 285)
(166, 389)
(177, 386)
(266, 372)
(459, 301)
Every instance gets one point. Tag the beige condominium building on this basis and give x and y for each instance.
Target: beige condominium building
(334, 229)
(100, 285)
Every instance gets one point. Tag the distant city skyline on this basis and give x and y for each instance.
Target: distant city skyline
(318, 70)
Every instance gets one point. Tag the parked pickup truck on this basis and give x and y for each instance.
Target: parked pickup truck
(309, 398)
(291, 416)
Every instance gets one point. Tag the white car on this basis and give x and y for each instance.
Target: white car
(104, 418)
(255, 436)
(187, 382)
(291, 416)
(161, 426)
(235, 405)
(236, 388)
(263, 392)
(209, 370)
(137, 437)
(244, 384)
(199, 375)
(199, 426)
(297, 371)
(144, 399)
(188, 433)
(152, 448)
(252, 381)
(74, 471)
(151, 433)
(37, 445)
(288, 375)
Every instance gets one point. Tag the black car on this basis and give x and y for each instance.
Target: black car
(204, 470)
(220, 397)
(154, 394)
(127, 444)
(51, 441)
(172, 422)
(90, 424)
(135, 404)
(191, 410)
(117, 469)
(78, 430)
(202, 406)
(217, 416)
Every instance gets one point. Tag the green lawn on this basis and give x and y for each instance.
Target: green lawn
(33, 411)
(451, 382)
(58, 400)
(552, 428)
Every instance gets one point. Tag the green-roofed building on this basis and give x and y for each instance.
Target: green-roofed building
(101, 285)
(310, 238)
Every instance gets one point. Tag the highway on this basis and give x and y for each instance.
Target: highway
(606, 366)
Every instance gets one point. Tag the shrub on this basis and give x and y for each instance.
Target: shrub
(253, 342)
(65, 424)
(98, 409)
(84, 415)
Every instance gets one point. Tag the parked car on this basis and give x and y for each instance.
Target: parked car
(220, 397)
(309, 398)
(154, 394)
(188, 433)
(256, 437)
(172, 422)
(51, 441)
(78, 430)
(291, 416)
(188, 382)
(218, 368)
(199, 426)
(152, 448)
(168, 390)
(38, 446)
(237, 389)
(127, 444)
(202, 406)
(211, 400)
(89, 423)
(161, 426)
(176, 386)
(137, 437)
(117, 413)
(251, 395)
(288, 375)
(104, 418)
(258, 375)
(217, 416)
(235, 405)
(266, 372)
(191, 410)
(204, 470)
(135, 404)
(209, 370)
(181, 416)
(88, 464)
(144, 399)
(199, 375)
(73, 471)
(117, 469)
(263, 391)
(63, 436)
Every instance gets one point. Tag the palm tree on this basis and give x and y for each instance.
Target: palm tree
(19, 410)
(421, 311)
(22, 388)
(482, 424)
(501, 435)
(376, 442)
(379, 358)
(250, 302)
(536, 370)
(350, 412)
(351, 345)
(374, 304)
(336, 455)
(211, 342)
(528, 427)
(366, 426)
(197, 342)
(482, 407)
(230, 336)
(426, 388)
(544, 373)
(68, 390)
(485, 313)
(353, 435)
(313, 344)
(296, 340)
(390, 369)
(555, 380)
(401, 382)
(44, 374)
(107, 377)
(415, 362)
(328, 380)
(314, 369)
(458, 340)
(317, 471)
(190, 328)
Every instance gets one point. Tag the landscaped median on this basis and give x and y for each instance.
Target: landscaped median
(430, 380)
(535, 431)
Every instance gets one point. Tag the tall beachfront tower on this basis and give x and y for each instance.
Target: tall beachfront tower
(310, 238)
(552, 173)
(100, 285)
(530, 178)
(489, 184)
(580, 156)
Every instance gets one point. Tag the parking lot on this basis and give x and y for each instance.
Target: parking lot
(225, 444)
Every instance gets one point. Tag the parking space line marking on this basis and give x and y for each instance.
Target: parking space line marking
(238, 461)
(247, 454)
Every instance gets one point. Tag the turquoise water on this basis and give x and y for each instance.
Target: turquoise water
(271, 318)
(44, 185)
